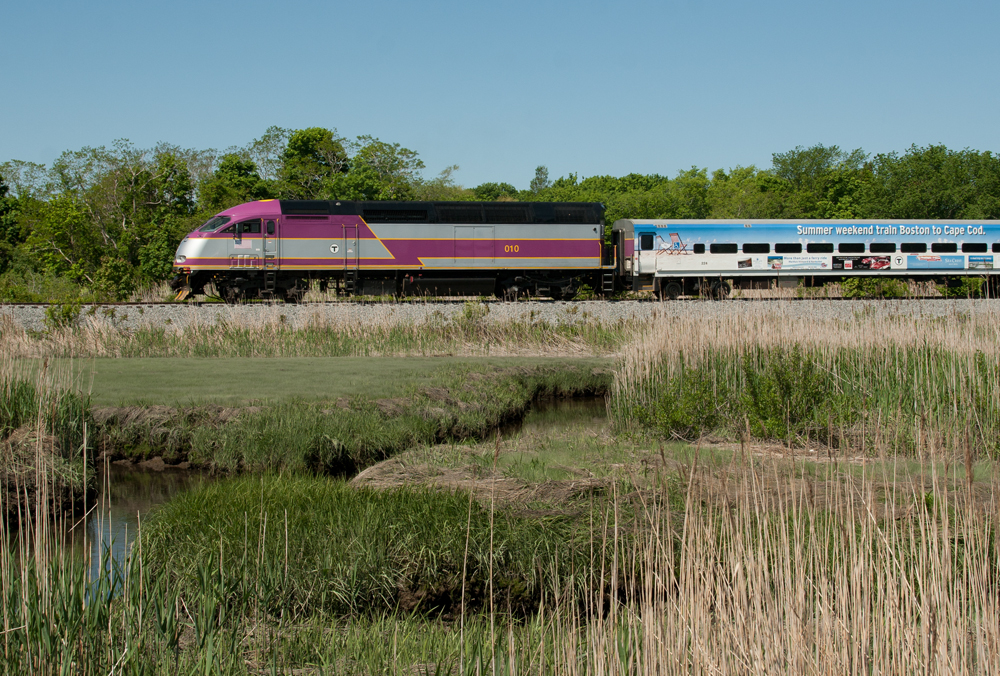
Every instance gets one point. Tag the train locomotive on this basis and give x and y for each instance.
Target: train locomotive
(278, 248)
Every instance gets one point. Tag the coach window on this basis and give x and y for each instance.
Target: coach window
(791, 248)
(944, 247)
(882, 247)
(699, 248)
(819, 247)
(974, 247)
(851, 247)
(756, 248)
(996, 247)
(646, 241)
(726, 248)
(913, 247)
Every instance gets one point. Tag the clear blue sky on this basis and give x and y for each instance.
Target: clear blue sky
(499, 88)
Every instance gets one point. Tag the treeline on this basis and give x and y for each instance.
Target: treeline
(101, 222)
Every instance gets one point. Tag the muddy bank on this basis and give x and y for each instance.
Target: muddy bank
(340, 437)
(36, 476)
(337, 437)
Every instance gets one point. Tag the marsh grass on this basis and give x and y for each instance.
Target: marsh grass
(344, 436)
(43, 439)
(467, 333)
(829, 574)
(879, 384)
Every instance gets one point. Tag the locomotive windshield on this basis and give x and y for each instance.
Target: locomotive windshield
(213, 223)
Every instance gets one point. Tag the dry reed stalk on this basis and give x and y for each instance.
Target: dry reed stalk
(775, 585)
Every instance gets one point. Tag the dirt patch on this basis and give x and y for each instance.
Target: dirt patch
(484, 486)
(439, 394)
(392, 407)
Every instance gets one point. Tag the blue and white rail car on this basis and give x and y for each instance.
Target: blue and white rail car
(673, 257)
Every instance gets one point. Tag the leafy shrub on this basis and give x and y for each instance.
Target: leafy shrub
(687, 407)
(60, 315)
(783, 392)
(962, 287)
(873, 287)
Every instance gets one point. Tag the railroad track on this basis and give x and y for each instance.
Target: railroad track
(461, 301)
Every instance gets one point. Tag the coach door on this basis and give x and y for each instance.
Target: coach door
(271, 244)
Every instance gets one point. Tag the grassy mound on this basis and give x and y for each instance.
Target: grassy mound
(301, 545)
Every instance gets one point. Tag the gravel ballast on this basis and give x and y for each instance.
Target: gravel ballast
(181, 315)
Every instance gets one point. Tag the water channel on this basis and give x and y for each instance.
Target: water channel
(127, 494)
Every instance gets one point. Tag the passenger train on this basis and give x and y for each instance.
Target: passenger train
(277, 248)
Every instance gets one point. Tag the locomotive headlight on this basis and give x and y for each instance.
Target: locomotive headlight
(180, 259)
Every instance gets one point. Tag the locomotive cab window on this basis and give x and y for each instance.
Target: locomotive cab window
(249, 227)
(944, 247)
(214, 223)
(819, 247)
(270, 227)
(230, 230)
(913, 247)
(790, 248)
(646, 241)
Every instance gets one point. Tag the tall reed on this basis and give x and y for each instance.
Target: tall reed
(875, 383)
(753, 572)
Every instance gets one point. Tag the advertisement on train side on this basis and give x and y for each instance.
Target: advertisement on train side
(788, 245)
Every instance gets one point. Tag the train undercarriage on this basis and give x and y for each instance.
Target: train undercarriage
(291, 286)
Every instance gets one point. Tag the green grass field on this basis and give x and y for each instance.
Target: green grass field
(236, 381)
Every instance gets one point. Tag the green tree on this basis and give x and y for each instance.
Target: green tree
(61, 240)
(689, 194)
(491, 192)
(443, 188)
(310, 161)
(934, 182)
(378, 171)
(541, 180)
(234, 181)
(813, 181)
(745, 192)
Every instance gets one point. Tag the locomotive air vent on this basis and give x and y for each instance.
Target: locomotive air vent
(305, 207)
(395, 215)
(460, 214)
(566, 214)
(507, 214)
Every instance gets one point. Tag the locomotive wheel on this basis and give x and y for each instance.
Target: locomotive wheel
(671, 291)
(232, 294)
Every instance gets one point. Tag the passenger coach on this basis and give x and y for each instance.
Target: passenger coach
(675, 257)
